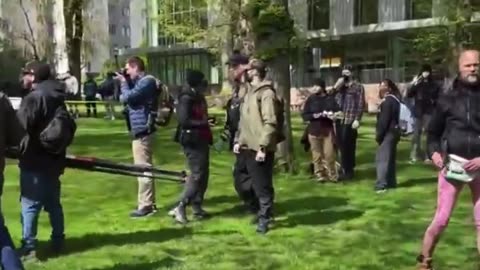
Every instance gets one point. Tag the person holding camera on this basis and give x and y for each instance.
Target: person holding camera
(139, 93)
(194, 135)
(351, 99)
(424, 92)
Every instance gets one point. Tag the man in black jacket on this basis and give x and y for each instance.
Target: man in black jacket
(424, 92)
(40, 170)
(194, 135)
(9, 137)
(455, 130)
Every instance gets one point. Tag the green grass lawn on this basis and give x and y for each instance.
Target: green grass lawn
(317, 226)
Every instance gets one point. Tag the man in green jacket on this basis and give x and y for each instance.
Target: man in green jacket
(256, 137)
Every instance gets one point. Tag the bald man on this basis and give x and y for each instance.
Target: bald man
(456, 122)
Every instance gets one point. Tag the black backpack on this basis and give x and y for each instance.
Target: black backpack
(59, 133)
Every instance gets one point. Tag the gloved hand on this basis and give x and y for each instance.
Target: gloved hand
(355, 124)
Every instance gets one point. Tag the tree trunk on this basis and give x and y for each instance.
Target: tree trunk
(59, 38)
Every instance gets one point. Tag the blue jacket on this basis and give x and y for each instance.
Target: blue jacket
(140, 101)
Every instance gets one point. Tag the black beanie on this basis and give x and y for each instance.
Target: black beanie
(42, 73)
(194, 77)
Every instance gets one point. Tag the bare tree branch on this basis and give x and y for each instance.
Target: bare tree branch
(27, 19)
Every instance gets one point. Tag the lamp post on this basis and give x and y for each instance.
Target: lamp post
(115, 54)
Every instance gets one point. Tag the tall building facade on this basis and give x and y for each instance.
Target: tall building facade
(371, 35)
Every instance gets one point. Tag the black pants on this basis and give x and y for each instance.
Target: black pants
(243, 183)
(198, 158)
(92, 105)
(347, 142)
(385, 161)
(262, 182)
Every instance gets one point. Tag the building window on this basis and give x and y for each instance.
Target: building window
(112, 29)
(126, 31)
(318, 14)
(126, 11)
(475, 5)
(366, 12)
(418, 9)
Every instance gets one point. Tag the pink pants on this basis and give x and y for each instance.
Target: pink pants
(448, 191)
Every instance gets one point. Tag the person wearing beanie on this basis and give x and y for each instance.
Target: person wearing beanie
(40, 169)
(194, 135)
(424, 93)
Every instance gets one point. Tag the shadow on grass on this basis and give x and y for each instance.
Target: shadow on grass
(165, 263)
(319, 218)
(417, 182)
(94, 240)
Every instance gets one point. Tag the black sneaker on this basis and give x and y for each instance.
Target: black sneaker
(27, 255)
(144, 212)
(57, 247)
(201, 215)
(262, 226)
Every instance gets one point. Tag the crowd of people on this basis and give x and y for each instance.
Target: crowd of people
(42, 129)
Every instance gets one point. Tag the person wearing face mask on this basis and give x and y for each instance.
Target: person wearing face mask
(140, 99)
(387, 135)
(320, 110)
(194, 135)
(453, 140)
(257, 138)
(351, 99)
(424, 93)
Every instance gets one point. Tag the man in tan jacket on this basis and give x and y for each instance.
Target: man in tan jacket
(256, 137)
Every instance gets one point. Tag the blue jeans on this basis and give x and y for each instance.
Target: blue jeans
(9, 259)
(40, 189)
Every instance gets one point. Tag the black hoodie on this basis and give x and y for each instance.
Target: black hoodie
(36, 111)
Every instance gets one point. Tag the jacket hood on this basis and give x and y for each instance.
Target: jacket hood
(49, 85)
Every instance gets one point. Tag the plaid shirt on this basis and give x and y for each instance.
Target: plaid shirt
(352, 101)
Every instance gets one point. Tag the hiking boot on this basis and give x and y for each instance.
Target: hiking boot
(27, 255)
(199, 213)
(424, 263)
(144, 212)
(262, 226)
(179, 213)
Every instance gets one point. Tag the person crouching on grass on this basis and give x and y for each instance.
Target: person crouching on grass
(319, 110)
(387, 135)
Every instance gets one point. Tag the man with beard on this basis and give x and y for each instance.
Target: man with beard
(257, 137)
(453, 139)
(41, 165)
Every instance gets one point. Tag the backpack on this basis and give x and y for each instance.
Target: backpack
(406, 121)
(165, 105)
(279, 104)
(59, 133)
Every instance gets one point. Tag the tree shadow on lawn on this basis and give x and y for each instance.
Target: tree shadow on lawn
(418, 181)
(165, 263)
(316, 209)
(97, 240)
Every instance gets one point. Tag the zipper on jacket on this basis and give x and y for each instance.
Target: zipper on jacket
(469, 124)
